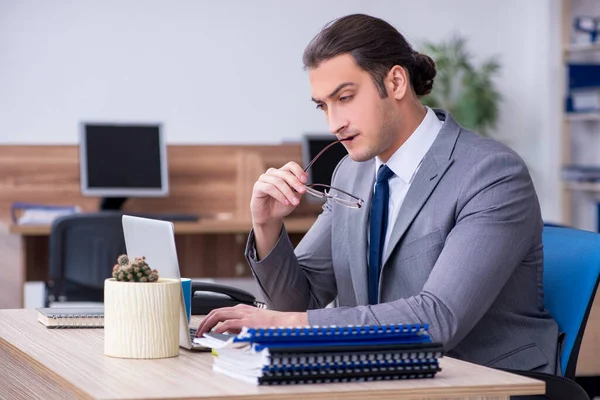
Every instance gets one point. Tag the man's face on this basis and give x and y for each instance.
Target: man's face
(353, 107)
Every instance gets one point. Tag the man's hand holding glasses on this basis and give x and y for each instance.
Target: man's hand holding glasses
(278, 192)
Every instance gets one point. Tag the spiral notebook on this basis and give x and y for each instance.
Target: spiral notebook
(248, 362)
(319, 336)
(85, 317)
(329, 375)
(325, 356)
(324, 361)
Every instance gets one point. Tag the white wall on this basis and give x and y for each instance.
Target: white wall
(231, 71)
(546, 107)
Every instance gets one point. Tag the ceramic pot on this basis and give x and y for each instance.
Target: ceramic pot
(141, 319)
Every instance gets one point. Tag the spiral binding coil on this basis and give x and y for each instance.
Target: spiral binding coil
(366, 331)
(345, 380)
(78, 320)
(400, 364)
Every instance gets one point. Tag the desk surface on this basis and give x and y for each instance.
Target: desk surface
(53, 363)
(205, 226)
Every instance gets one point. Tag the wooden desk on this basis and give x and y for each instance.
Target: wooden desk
(208, 248)
(44, 363)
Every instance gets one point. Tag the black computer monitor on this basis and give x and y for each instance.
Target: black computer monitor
(118, 161)
(322, 170)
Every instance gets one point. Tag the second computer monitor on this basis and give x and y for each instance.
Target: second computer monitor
(322, 170)
(123, 160)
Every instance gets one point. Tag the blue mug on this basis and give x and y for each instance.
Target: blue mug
(186, 287)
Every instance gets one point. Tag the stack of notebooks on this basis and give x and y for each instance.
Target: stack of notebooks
(279, 356)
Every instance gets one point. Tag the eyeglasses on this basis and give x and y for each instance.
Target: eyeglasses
(336, 195)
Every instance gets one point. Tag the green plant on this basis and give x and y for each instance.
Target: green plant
(466, 91)
(137, 270)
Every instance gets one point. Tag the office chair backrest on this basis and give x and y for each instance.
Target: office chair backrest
(571, 273)
(83, 250)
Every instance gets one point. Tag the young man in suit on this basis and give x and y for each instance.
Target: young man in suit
(450, 232)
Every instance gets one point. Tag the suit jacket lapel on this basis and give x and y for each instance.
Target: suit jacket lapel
(425, 181)
(357, 221)
(435, 164)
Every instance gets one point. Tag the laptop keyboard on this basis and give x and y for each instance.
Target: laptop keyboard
(193, 334)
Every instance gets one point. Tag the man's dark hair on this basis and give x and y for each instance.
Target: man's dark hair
(376, 46)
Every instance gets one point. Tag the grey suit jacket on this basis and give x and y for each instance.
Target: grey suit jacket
(465, 256)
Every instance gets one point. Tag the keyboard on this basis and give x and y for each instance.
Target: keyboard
(193, 333)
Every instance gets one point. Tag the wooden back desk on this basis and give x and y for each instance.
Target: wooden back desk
(208, 248)
(213, 182)
(50, 363)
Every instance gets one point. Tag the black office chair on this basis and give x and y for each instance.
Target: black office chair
(83, 251)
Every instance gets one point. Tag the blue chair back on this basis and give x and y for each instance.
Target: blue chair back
(571, 274)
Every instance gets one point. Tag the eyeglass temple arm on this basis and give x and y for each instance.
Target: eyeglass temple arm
(321, 152)
(339, 190)
(358, 199)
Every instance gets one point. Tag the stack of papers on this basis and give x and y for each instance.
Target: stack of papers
(325, 354)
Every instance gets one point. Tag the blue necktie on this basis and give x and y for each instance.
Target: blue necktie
(378, 228)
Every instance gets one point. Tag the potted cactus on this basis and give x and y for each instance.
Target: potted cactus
(141, 311)
(136, 271)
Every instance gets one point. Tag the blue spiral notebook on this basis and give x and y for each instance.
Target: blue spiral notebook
(320, 336)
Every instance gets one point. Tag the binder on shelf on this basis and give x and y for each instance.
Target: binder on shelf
(584, 101)
(88, 317)
(583, 75)
(583, 88)
(581, 173)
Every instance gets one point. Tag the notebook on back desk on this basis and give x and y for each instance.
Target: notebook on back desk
(155, 239)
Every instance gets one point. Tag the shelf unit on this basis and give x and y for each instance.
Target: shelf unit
(581, 48)
(572, 122)
(589, 187)
(582, 116)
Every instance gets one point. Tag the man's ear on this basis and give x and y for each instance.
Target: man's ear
(398, 83)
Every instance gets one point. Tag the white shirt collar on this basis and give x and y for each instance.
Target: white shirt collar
(406, 160)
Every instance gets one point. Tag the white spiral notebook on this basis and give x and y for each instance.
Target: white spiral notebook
(89, 317)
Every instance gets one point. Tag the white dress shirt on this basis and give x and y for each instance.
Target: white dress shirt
(405, 163)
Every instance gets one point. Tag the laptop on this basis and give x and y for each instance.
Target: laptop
(155, 239)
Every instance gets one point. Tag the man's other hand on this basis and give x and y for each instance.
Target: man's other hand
(233, 319)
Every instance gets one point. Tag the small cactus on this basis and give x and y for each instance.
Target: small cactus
(137, 270)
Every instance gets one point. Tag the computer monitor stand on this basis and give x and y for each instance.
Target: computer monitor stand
(112, 203)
